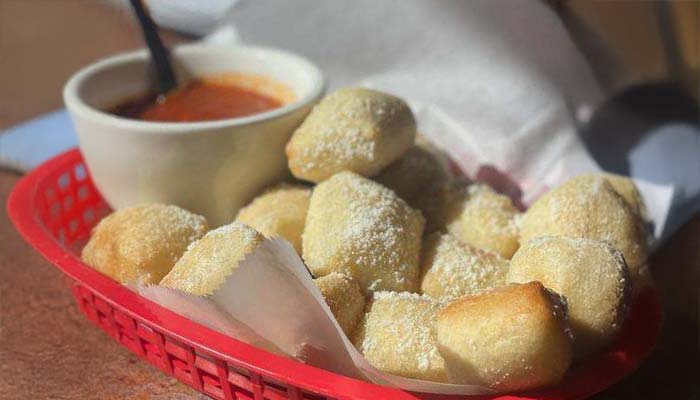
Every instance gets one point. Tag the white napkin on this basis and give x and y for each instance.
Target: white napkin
(498, 85)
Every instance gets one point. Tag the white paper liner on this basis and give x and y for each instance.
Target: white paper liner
(271, 299)
(548, 160)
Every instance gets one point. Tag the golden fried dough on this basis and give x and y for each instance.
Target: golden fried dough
(419, 178)
(352, 129)
(452, 268)
(590, 274)
(587, 206)
(483, 218)
(509, 339)
(358, 227)
(438, 154)
(344, 298)
(279, 212)
(395, 336)
(626, 188)
(141, 244)
(208, 261)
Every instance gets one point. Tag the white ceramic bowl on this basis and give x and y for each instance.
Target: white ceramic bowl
(211, 168)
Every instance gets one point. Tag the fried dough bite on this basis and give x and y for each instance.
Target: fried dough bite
(587, 206)
(351, 129)
(208, 261)
(358, 227)
(509, 339)
(279, 212)
(479, 216)
(395, 336)
(453, 269)
(141, 244)
(438, 154)
(590, 274)
(419, 178)
(344, 298)
(626, 188)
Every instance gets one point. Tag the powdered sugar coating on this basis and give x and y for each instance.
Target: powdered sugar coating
(343, 296)
(452, 269)
(208, 261)
(587, 206)
(396, 337)
(479, 216)
(141, 244)
(279, 212)
(626, 188)
(358, 227)
(352, 129)
(590, 274)
(420, 178)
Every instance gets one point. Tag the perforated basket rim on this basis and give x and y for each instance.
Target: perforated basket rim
(592, 377)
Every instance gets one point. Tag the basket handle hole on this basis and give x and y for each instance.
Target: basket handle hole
(62, 236)
(73, 225)
(83, 192)
(88, 216)
(55, 210)
(67, 202)
(64, 181)
(79, 172)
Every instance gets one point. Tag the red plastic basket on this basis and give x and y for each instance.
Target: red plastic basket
(55, 206)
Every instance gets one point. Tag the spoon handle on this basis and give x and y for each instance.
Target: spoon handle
(164, 70)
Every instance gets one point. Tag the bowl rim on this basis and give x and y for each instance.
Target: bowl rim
(76, 105)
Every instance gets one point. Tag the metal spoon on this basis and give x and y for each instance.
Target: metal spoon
(159, 54)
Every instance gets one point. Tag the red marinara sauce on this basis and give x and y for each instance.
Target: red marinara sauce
(197, 100)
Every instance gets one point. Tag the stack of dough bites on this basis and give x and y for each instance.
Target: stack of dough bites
(431, 277)
(141, 244)
(592, 276)
(414, 240)
(589, 206)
